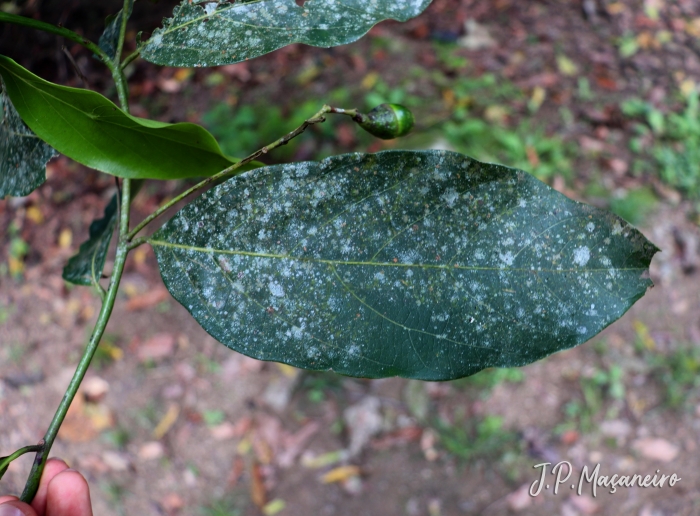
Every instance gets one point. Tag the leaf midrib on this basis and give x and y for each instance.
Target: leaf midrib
(209, 250)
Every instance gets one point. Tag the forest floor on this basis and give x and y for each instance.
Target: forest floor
(596, 98)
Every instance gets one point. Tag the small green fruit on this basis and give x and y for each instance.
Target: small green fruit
(387, 121)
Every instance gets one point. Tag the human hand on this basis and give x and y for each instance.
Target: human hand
(62, 492)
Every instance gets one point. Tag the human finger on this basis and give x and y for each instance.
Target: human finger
(13, 507)
(68, 495)
(53, 467)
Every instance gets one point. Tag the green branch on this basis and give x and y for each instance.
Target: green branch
(108, 299)
(122, 33)
(5, 461)
(128, 59)
(32, 484)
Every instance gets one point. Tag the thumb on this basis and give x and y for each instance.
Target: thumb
(16, 508)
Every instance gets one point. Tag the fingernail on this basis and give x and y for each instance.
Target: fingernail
(10, 510)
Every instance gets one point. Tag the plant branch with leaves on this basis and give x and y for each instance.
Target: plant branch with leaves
(421, 264)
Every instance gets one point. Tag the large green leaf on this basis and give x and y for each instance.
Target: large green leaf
(426, 265)
(109, 40)
(205, 33)
(23, 156)
(90, 129)
(85, 268)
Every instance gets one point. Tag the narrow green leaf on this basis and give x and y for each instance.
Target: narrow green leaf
(210, 33)
(3, 470)
(23, 156)
(109, 40)
(426, 265)
(85, 268)
(90, 129)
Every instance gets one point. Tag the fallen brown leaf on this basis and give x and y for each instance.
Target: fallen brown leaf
(157, 347)
(147, 299)
(656, 449)
(258, 493)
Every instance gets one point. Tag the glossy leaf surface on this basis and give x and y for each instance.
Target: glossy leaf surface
(217, 33)
(109, 40)
(85, 268)
(426, 265)
(90, 129)
(23, 156)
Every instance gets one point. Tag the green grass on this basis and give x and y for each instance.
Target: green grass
(678, 375)
(487, 379)
(469, 440)
(606, 384)
(667, 143)
(477, 119)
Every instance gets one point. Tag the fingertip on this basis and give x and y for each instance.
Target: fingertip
(10, 506)
(68, 495)
(53, 467)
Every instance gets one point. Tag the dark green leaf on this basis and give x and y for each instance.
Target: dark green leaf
(426, 265)
(90, 129)
(85, 268)
(3, 470)
(210, 33)
(109, 40)
(23, 156)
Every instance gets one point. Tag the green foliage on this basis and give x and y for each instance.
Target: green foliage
(478, 121)
(227, 506)
(355, 264)
(90, 129)
(604, 384)
(319, 385)
(679, 374)
(213, 33)
(85, 268)
(634, 205)
(474, 439)
(213, 417)
(239, 130)
(487, 379)
(671, 140)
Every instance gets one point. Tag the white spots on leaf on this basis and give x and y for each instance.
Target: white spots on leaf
(456, 277)
(617, 228)
(507, 257)
(590, 227)
(450, 197)
(409, 257)
(581, 256)
(275, 289)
